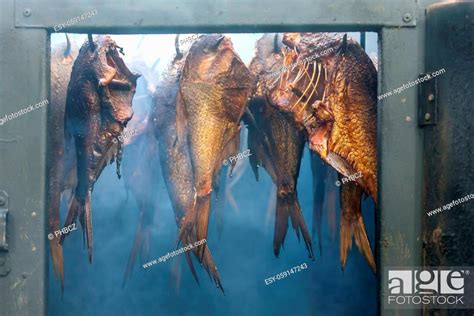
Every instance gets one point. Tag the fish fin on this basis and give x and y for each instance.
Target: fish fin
(287, 206)
(282, 214)
(189, 261)
(81, 208)
(201, 210)
(219, 205)
(176, 275)
(299, 224)
(343, 48)
(318, 141)
(254, 146)
(318, 169)
(231, 149)
(180, 118)
(352, 224)
(58, 259)
(211, 268)
(88, 221)
(75, 208)
(134, 251)
(54, 225)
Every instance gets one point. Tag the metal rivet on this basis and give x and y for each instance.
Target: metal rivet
(24, 275)
(408, 119)
(427, 116)
(2, 200)
(33, 214)
(407, 17)
(27, 12)
(431, 97)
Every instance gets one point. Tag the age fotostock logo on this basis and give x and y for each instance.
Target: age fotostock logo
(441, 288)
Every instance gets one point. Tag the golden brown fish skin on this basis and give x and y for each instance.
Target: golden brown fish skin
(98, 108)
(176, 162)
(341, 126)
(282, 160)
(351, 97)
(347, 115)
(213, 93)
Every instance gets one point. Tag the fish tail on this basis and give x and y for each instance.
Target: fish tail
(73, 213)
(137, 243)
(54, 243)
(141, 242)
(176, 275)
(201, 210)
(58, 260)
(220, 202)
(88, 221)
(287, 206)
(282, 214)
(318, 170)
(81, 208)
(352, 224)
(211, 268)
(189, 261)
(299, 224)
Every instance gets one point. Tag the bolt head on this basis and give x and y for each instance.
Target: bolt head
(407, 17)
(27, 12)
(427, 116)
(431, 97)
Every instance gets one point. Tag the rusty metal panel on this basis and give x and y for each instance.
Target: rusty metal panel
(188, 16)
(24, 69)
(400, 156)
(449, 145)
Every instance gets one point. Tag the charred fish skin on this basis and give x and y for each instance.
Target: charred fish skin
(276, 143)
(214, 89)
(98, 107)
(282, 160)
(267, 63)
(175, 160)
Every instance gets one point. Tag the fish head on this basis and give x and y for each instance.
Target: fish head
(116, 84)
(212, 59)
(267, 63)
